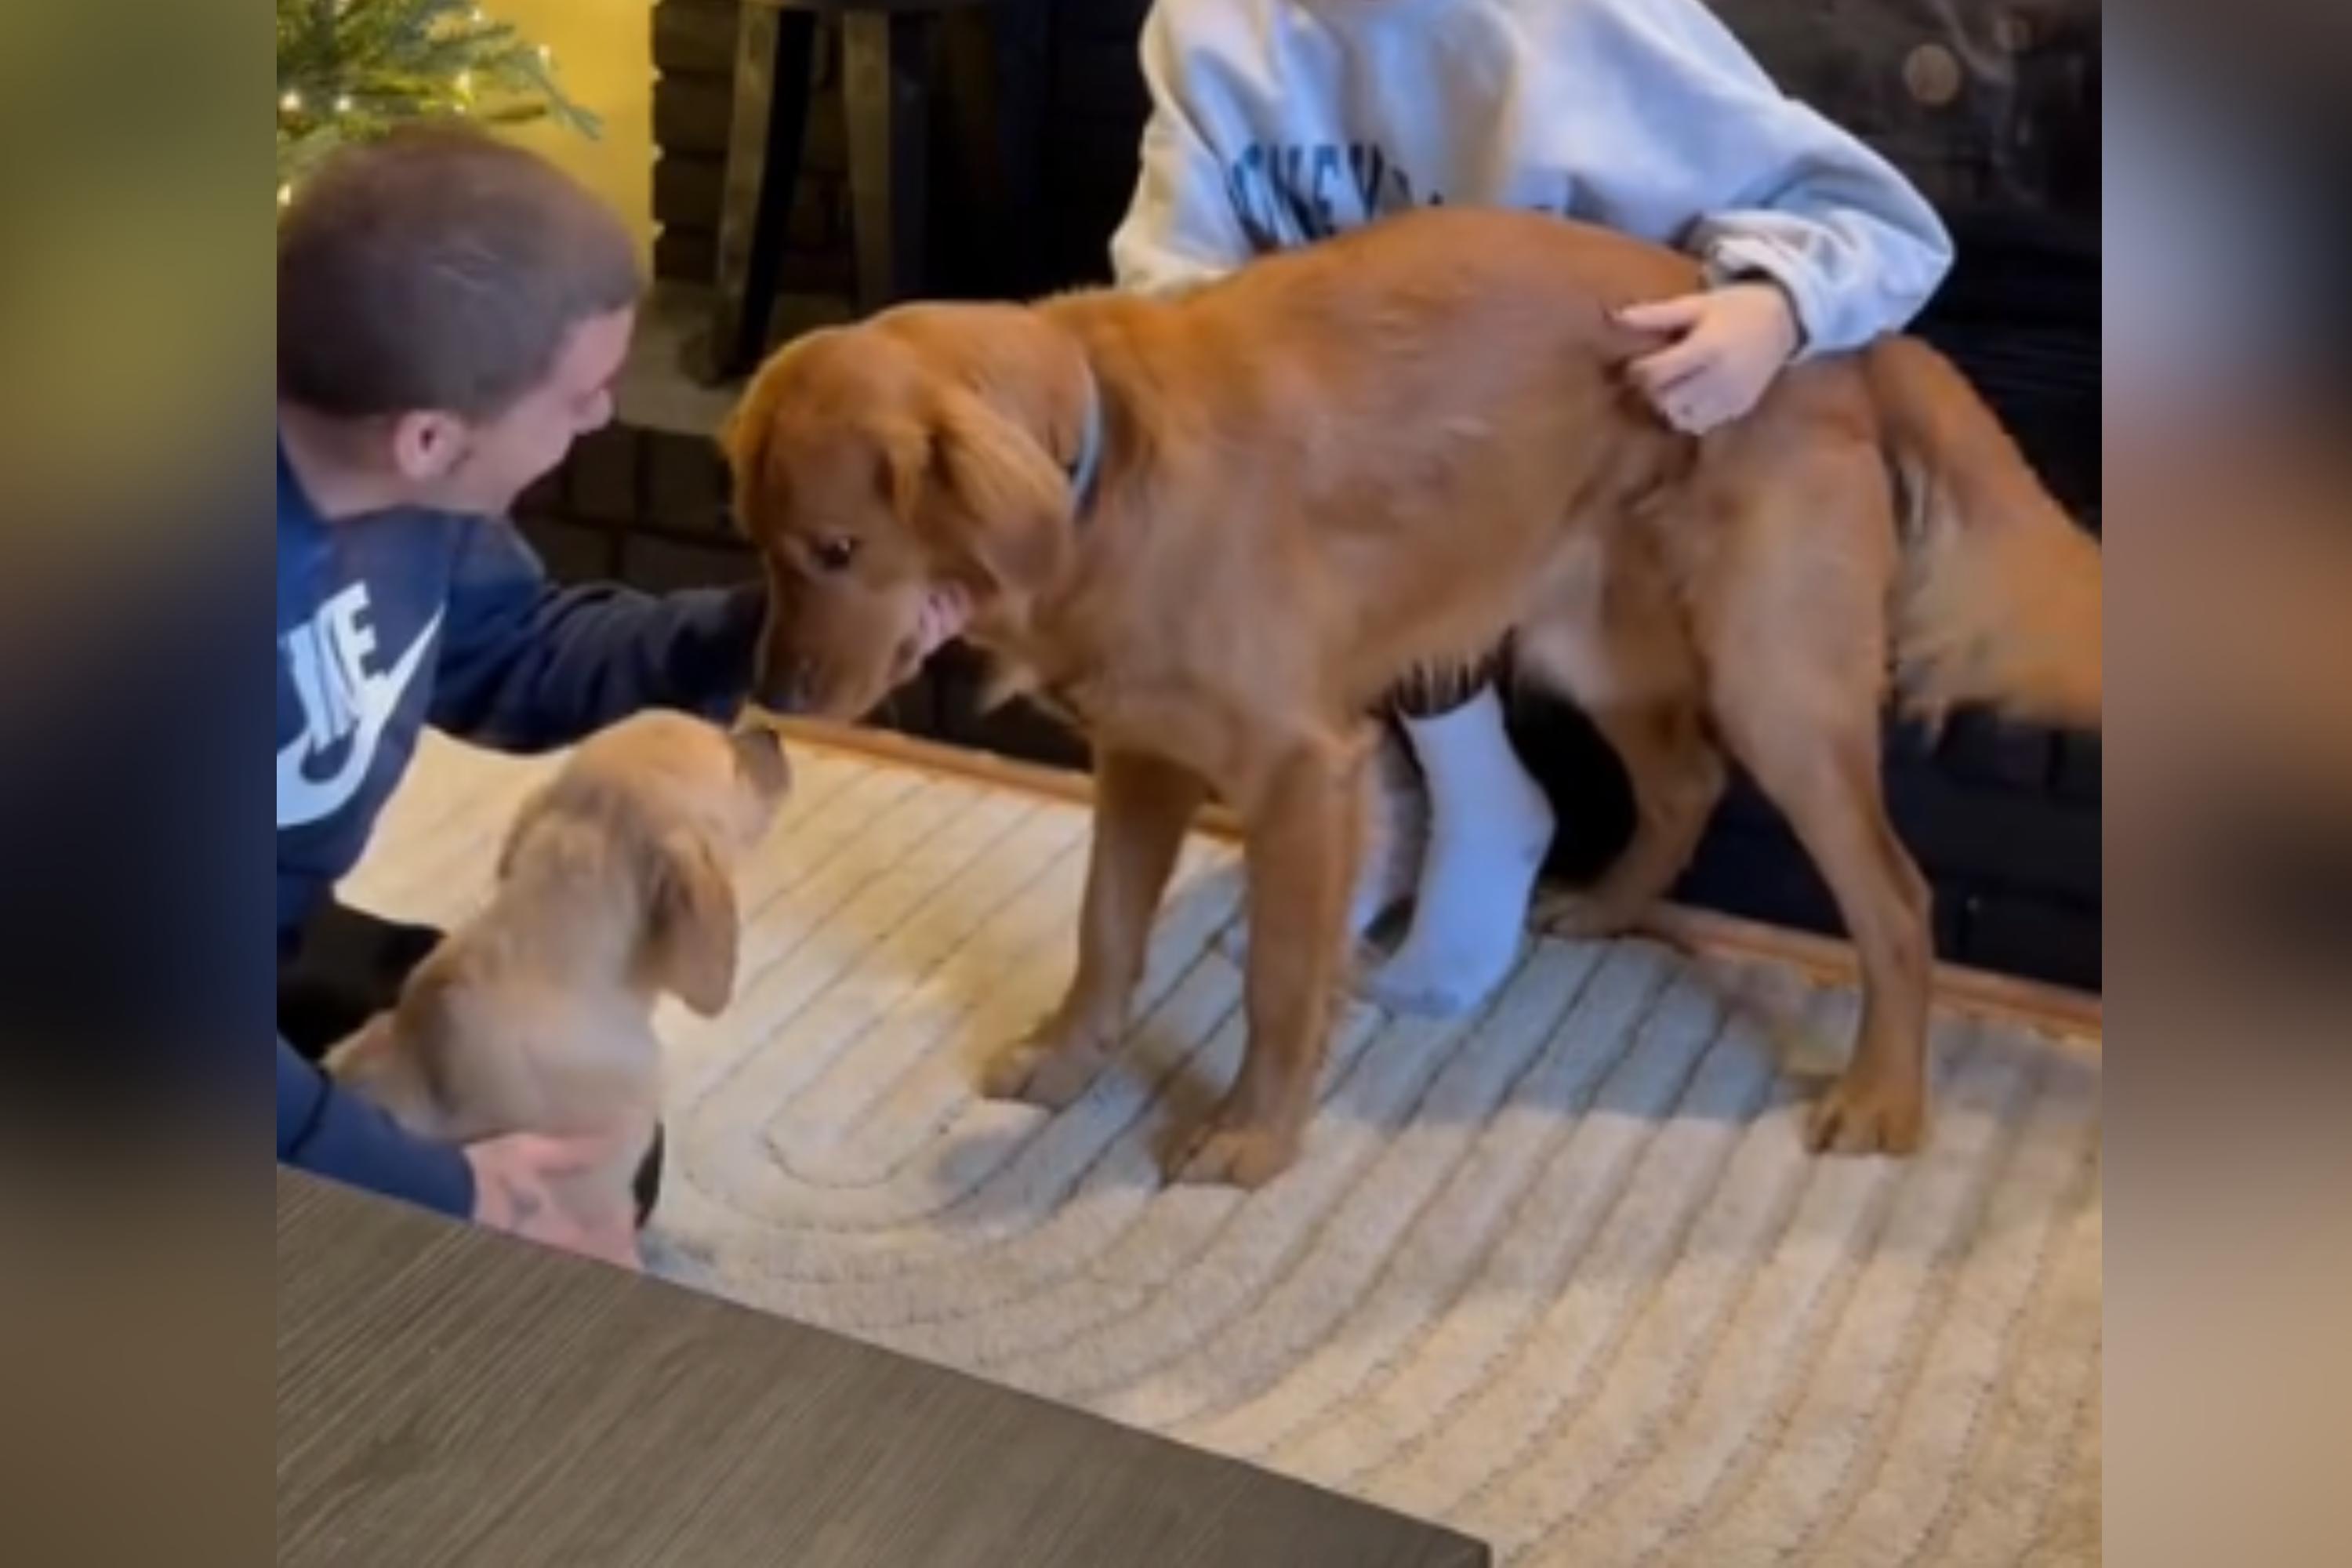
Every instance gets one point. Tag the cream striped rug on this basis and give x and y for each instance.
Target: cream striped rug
(1559, 1276)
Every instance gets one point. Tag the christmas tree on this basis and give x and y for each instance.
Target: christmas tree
(351, 70)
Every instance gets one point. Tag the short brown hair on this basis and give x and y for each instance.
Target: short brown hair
(442, 269)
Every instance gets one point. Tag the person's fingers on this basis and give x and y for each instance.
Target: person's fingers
(607, 1232)
(567, 1154)
(1689, 401)
(613, 1242)
(1694, 404)
(1676, 315)
(606, 1241)
(1661, 372)
(1686, 416)
(1697, 417)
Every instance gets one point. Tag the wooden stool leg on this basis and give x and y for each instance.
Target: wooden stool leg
(886, 68)
(773, 51)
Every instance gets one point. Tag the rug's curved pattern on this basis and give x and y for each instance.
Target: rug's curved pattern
(1559, 1274)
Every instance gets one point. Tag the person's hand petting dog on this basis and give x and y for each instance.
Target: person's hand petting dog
(1728, 344)
(519, 1182)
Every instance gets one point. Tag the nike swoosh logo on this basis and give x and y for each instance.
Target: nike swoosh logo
(302, 800)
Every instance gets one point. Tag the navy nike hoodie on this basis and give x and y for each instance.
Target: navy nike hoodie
(402, 619)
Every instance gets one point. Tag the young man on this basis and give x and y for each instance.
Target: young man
(1279, 123)
(451, 314)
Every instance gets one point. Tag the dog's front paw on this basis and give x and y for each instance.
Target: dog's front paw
(1214, 1153)
(1857, 1116)
(1045, 1070)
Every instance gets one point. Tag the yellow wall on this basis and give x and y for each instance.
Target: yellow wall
(604, 56)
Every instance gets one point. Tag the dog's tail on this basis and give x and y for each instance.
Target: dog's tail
(2001, 595)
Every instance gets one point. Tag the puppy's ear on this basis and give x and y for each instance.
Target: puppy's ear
(984, 488)
(692, 926)
(760, 755)
(526, 817)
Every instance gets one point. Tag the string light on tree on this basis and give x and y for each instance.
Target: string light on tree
(350, 71)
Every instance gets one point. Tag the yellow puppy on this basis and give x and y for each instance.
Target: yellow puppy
(613, 887)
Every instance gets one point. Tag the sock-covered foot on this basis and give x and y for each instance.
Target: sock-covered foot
(1490, 825)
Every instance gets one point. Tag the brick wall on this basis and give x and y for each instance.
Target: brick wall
(694, 63)
(987, 156)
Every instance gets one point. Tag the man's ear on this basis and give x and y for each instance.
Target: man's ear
(426, 445)
(985, 489)
(692, 926)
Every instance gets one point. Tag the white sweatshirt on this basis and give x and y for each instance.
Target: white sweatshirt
(1279, 123)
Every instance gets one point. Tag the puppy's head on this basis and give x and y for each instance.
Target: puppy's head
(653, 814)
(874, 465)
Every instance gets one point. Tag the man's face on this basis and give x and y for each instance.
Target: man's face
(482, 466)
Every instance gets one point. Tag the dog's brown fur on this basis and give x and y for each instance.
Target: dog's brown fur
(613, 887)
(1388, 452)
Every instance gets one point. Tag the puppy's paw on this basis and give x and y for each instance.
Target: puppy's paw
(1859, 1117)
(1225, 1150)
(1044, 1071)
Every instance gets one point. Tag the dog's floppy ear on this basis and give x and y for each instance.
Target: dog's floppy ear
(692, 926)
(744, 433)
(986, 489)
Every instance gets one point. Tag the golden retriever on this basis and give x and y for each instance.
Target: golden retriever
(614, 886)
(1216, 529)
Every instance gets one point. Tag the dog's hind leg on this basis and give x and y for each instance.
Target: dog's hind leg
(1621, 652)
(1677, 776)
(1824, 778)
(1796, 642)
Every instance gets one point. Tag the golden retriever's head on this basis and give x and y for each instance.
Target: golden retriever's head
(928, 449)
(647, 819)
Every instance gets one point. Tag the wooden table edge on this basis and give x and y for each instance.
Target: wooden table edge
(296, 1190)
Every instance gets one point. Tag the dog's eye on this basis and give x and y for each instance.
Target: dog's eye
(834, 552)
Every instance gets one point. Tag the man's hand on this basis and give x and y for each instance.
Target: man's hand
(520, 1183)
(1729, 344)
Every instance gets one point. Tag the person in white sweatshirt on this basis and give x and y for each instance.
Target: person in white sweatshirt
(1275, 123)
